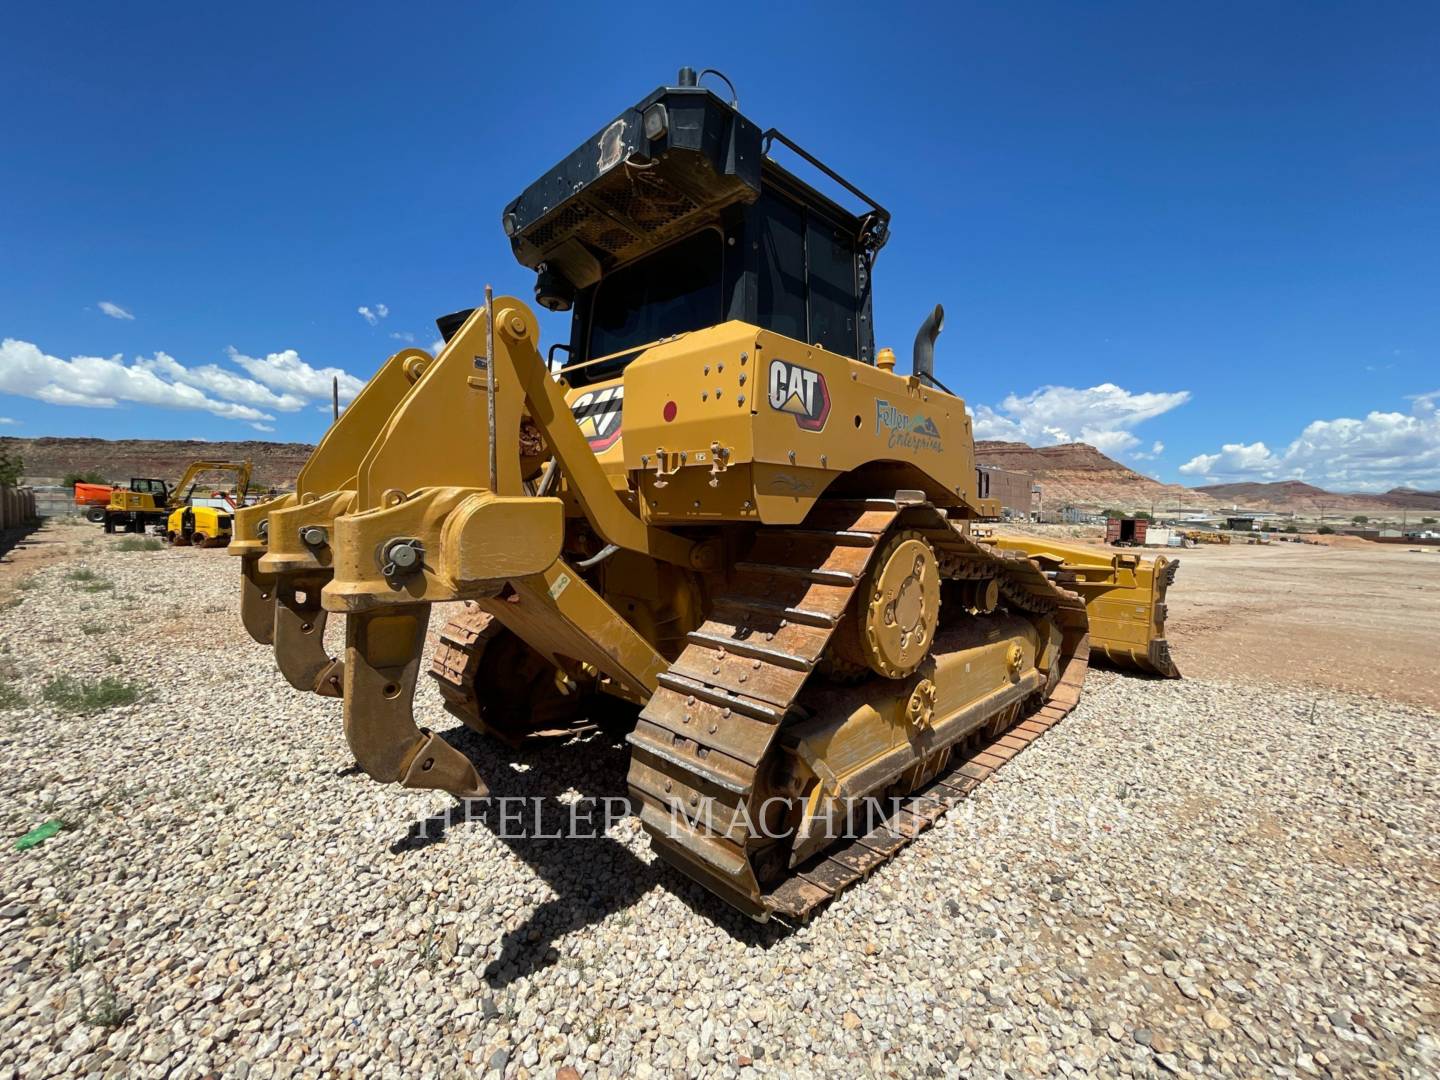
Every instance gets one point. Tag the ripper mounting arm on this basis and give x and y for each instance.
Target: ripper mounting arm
(427, 525)
(284, 543)
(423, 493)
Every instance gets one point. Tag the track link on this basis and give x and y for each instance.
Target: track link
(458, 650)
(847, 863)
(703, 739)
(475, 653)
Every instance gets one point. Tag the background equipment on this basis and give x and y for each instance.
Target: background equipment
(148, 502)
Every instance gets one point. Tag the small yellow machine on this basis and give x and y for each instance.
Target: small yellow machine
(148, 502)
(202, 526)
(727, 511)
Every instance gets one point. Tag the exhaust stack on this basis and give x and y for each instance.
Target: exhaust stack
(924, 362)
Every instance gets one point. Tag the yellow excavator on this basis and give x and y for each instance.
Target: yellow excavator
(148, 502)
(727, 511)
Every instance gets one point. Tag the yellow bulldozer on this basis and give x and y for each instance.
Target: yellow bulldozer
(726, 511)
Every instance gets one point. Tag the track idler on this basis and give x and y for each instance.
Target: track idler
(382, 663)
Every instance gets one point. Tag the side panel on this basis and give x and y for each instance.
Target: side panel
(736, 423)
(819, 415)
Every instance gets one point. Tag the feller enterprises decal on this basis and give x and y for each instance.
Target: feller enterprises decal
(905, 431)
(800, 392)
(599, 414)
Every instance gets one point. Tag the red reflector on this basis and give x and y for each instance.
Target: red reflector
(670, 411)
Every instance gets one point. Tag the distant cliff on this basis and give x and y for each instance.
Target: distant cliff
(47, 460)
(1078, 474)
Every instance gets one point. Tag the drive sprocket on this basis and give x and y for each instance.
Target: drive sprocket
(897, 607)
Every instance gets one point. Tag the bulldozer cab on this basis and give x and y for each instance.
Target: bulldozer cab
(674, 217)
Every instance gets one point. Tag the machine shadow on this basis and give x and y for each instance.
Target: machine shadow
(593, 874)
(21, 536)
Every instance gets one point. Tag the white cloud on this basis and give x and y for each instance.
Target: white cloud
(373, 315)
(115, 311)
(285, 373)
(101, 382)
(279, 381)
(1384, 450)
(221, 383)
(405, 337)
(1099, 415)
(1156, 449)
(7, 420)
(262, 427)
(436, 346)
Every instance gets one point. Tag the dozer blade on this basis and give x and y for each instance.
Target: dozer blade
(382, 662)
(1124, 598)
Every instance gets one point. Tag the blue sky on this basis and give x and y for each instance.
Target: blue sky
(1204, 237)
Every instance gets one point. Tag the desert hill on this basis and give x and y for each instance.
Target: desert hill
(1077, 474)
(49, 459)
(1307, 498)
(1070, 474)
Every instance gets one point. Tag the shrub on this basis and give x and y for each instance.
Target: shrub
(111, 1010)
(12, 467)
(10, 698)
(86, 476)
(77, 696)
(1324, 530)
(140, 543)
(82, 573)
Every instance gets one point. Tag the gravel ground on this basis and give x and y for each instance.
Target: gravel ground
(1198, 877)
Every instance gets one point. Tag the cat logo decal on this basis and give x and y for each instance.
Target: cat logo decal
(800, 392)
(599, 414)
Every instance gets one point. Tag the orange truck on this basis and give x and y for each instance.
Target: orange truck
(92, 499)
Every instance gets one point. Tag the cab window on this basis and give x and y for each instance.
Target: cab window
(675, 290)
